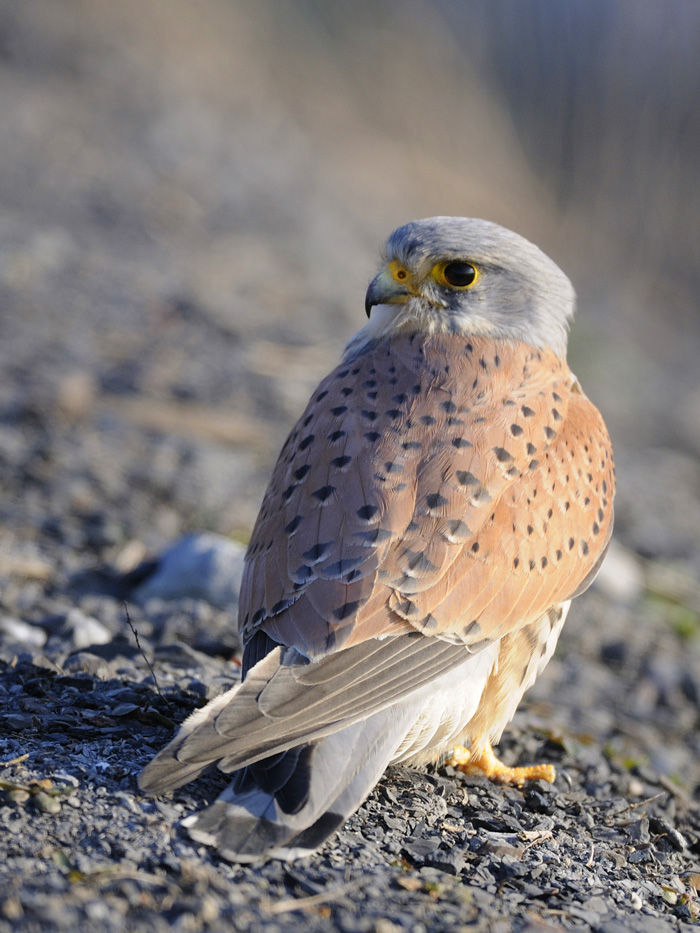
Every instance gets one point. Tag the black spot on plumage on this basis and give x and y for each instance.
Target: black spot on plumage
(369, 415)
(372, 395)
(556, 396)
(411, 445)
(530, 529)
(367, 512)
(258, 616)
(461, 443)
(374, 535)
(484, 365)
(339, 410)
(596, 528)
(556, 415)
(345, 566)
(513, 472)
(407, 608)
(502, 455)
(601, 515)
(324, 493)
(448, 406)
(544, 562)
(302, 575)
(394, 413)
(292, 526)
(472, 630)
(435, 500)
(465, 478)
(281, 606)
(427, 419)
(584, 548)
(496, 360)
(559, 554)
(456, 528)
(346, 390)
(335, 436)
(287, 493)
(347, 609)
(516, 430)
(302, 471)
(475, 547)
(571, 544)
(340, 462)
(308, 420)
(549, 433)
(343, 373)
(516, 563)
(527, 411)
(319, 551)
(417, 561)
(532, 565)
(392, 467)
(400, 398)
(417, 389)
(369, 383)
(453, 422)
(307, 441)
(372, 436)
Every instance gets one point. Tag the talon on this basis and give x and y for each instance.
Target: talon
(489, 766)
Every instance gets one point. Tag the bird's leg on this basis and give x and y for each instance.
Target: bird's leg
(486, 763)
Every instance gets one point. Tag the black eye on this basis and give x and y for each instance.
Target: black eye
(459, 274)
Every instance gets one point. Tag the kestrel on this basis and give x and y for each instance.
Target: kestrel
(444, 496)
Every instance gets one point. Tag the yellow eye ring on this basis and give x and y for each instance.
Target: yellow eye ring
(457, 273)
(398, 272)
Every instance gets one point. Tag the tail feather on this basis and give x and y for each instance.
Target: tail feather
(248, 823)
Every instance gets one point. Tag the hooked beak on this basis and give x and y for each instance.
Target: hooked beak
(384, 290)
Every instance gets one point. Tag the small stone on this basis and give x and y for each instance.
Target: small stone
(45, 803)
(12, 908)
(620, 577)
(202, 566)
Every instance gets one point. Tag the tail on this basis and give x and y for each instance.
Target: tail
(287, 806)
(305, 740)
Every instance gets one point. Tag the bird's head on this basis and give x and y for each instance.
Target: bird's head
(468, 276)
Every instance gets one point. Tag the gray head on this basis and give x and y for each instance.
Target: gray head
(461, 275)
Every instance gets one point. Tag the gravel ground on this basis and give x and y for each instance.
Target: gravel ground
(151, 367)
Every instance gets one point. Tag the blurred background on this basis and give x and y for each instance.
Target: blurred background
(194, 192)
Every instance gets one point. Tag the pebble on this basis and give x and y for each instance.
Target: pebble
(202, 566)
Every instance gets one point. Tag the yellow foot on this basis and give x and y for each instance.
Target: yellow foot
(487, 764)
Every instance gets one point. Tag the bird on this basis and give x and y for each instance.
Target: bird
(444, 496)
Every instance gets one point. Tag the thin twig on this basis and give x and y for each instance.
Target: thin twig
(303, 903)
(14, 761)
(143, 653)
(641, 803)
